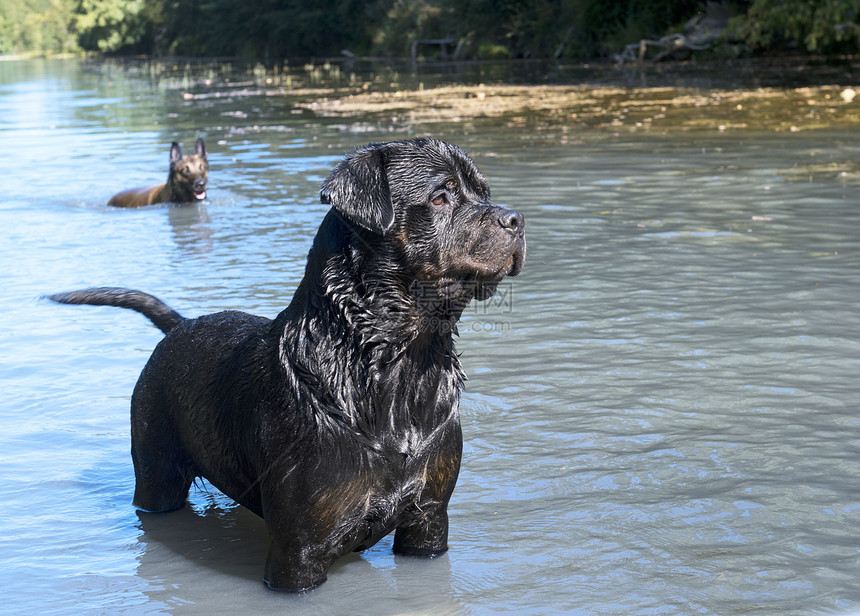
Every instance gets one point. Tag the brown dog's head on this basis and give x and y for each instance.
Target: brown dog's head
(188, 174)
(430, 207)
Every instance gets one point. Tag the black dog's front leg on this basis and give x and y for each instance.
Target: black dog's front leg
(424, 535)
(299, 554)
(295, 568)
(423, 531)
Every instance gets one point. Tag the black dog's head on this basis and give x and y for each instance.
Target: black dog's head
(188, 174)
(430, 207)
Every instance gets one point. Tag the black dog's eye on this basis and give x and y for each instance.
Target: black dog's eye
(439, 199)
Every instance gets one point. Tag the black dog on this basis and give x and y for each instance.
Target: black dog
(337, 421)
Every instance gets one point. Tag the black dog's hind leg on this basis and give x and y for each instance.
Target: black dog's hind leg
(162, 471)
(161, 483)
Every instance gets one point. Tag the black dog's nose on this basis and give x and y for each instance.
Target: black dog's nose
(513, 221)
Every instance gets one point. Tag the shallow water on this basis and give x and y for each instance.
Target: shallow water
(661, 416)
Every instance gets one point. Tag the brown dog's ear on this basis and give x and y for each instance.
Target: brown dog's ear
(200, 148)
(358, 189)
(175, 153)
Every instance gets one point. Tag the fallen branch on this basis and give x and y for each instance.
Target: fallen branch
(700, 32)
(635, 52)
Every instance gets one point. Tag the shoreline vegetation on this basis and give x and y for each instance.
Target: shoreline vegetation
(570, 30)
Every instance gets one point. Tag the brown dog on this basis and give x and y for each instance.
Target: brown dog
(186, 181)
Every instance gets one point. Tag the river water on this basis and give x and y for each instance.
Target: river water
(661, 415)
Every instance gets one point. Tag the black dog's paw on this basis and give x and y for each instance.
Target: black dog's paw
(421, 540)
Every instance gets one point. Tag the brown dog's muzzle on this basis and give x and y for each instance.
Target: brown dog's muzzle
(200, 188)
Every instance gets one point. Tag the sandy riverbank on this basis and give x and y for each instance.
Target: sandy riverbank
(613, 108)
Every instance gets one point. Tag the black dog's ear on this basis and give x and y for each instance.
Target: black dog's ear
(175, 153)
(358, 189)
(200, 148)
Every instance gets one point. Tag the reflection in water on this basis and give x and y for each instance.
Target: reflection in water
(661, 414)
(228, 545)
(191, 227)
(232, 542)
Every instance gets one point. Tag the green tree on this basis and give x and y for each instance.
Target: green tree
(273, 29)
(409, 20)
(11, 18)
(41, 26)
(531, 28)
(110, 25)
(822, 26)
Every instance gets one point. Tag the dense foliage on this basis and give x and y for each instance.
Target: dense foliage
(276, 29)
(823, 26)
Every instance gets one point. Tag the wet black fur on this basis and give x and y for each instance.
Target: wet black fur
(337, 421)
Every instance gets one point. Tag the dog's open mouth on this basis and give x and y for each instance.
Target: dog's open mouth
(200, 195)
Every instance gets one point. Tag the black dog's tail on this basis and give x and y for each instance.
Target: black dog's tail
(162, 315)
